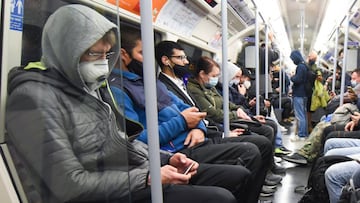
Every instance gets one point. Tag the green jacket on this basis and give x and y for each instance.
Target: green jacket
(210, 101)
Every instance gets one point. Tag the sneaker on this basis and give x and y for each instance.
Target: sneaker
(294, 138)
(295, 158)
(280, 151)
(267, 190)
(285, 123)
(272, 179)
(277, 169)
(283, 129)
(277, 159)
(302, 138)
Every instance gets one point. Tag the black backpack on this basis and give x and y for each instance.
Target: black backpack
(316, 188)
(310, 79)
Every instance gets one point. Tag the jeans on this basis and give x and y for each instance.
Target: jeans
(336, 176)
(342, 146)
(300, 114)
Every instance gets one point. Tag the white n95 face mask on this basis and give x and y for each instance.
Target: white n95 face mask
(94, 71)
(247, 84)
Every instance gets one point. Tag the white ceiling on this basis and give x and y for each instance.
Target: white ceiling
(313, 12)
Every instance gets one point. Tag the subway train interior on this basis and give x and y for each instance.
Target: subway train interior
(261, 38)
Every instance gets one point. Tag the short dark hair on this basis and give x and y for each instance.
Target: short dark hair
(129, 37)
(165, 48)
(206, 64)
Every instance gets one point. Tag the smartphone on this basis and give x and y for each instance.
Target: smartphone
(350, 89)
(188, 168)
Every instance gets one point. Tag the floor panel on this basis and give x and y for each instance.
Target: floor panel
(295, 175)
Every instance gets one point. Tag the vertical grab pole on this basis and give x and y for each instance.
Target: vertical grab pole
(266, 62)
(343, 71)
(147, 36)
(224, 68)
(335, 59)
(257, 73)
(281, 80)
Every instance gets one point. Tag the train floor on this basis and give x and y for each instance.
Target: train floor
(296, 175)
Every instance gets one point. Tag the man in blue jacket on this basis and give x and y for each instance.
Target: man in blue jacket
(299, 94)
(181, 128)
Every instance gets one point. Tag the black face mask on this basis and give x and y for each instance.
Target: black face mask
(181, 71)
(136, 67)
(311, 62)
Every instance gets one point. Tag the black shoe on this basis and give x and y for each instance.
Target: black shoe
(272, 179)
(285, 123)
(277, 169)
(295, 158)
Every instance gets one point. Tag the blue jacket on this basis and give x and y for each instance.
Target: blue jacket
(299, 79)
(172, 126)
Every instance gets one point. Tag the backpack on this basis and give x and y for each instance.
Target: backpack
(317, 191)
(310, 79)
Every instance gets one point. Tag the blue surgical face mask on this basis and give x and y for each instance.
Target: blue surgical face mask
(212, 82)
(353, 83)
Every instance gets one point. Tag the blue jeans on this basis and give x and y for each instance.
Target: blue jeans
(337, 175)
(300, 114)
(342, 146)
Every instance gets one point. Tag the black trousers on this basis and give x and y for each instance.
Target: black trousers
(243, 154)
(258, 176)
(286, 105)
(211, 184)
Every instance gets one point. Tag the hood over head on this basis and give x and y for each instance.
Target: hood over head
(296, 57)
(232, 69)
(68, 33)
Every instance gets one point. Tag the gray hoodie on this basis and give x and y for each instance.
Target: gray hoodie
(68, 33)
(69, 141)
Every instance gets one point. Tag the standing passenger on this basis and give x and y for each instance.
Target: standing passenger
(68, 138)
(299, 94)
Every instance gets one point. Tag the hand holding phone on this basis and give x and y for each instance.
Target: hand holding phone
(188, 168)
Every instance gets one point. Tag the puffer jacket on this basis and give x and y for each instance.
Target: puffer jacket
(69, 138)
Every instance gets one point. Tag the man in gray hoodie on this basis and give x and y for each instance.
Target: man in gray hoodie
(68, 139)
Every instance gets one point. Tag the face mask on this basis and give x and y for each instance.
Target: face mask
(353, 83)
(234, 82)
(181, 71)
(212, 82)
(94, 71)
(136, 67)
(311, 62)
(247, 84)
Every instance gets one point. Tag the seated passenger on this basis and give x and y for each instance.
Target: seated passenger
(180, 126)
(202, 89)
(332, 126)
(286, 103)
(68, 138)
(339, 174)
(174, 74)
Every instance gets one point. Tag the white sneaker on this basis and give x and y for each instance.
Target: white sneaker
(294, 138)
(302, 138)
(277, 159)
(282, 128)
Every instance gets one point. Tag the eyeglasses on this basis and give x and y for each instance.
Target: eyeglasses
(182, 57)
(97, 55)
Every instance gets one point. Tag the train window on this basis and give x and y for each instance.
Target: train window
(194, 52)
